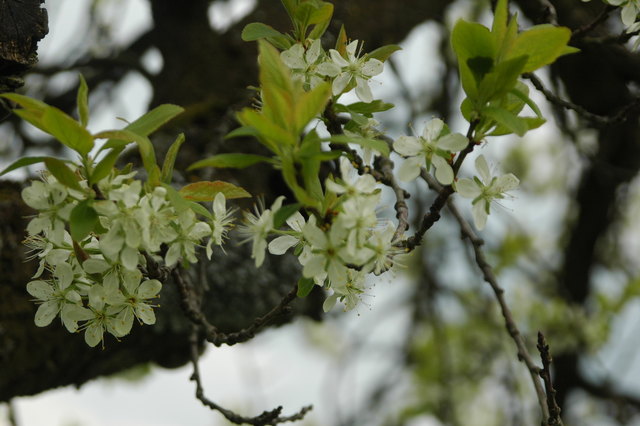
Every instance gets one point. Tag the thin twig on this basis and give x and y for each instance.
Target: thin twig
(545, 374)
(586, 29)
(271, 417)
(490, 278)
(192, 309)
(620, 116)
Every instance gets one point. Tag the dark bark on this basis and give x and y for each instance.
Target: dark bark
(22, 25)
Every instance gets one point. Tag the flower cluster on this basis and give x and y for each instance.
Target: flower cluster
(337, 250)
(98, 279)
(311, 65)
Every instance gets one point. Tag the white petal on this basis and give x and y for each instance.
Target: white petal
(281, 244)
(46, 313)
(407, 146)
(129, 258)
(372, 67)
(95, 266)
(467, 188)
(313, 52)
(40, 290)
(149, 289)
(340, 83)
(293, 57)
(64, 274)
(328, 68)
(145, 313)
(296, 221)
(93, 334)
(338, 59)
(363, 91)
(410, 169)
(480, 214)
(314, 266)
(453, 142)
(506, 183)
(433, 129)
(330, 302)
(123, 322)
(483, 169)
(444, 172)
(173, 254)
(352, 49)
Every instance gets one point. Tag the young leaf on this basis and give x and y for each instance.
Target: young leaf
(237, 161)
(147, 152)
(63, 173)
(32, 109)
(83, 102)
(242, 131)
(258, 30)
(305, 285)
(376, 144)
(154, 119)
(67, 130)
(104, 167)
(364, 108)
(320, 19)
(542, 43)
(383, 53)
(170, 159)
(22, 162)
(82, 221)
(507, 119)
(310, 105)
(206, 191)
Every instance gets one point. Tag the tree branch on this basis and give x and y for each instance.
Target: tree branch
(191, 308)
(271, 417)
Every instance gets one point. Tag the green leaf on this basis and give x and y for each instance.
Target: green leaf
(82, 221)
(501, 15)
(176, 199)
(305, 285)
(310, 105)
(543, 44)
(170, 159)
(83, 101)
(200, 209)
(206, 191)
(104, 167)
(64, 174)
(235, 160)
(471, 40)
(271, 134)
(284, 213)
(67, 130)
(241, 132)
(383, 53)
(320, 19)
(22, 162)
(506, 119)
(376, 144)
(364, 108)
(145, 147)
(257, 30)
(527, 100)
(154, 119)
(501, 79)
(32, 111)
(289, 175)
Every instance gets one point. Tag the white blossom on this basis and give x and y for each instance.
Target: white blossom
(433, 148)
(485, 190)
